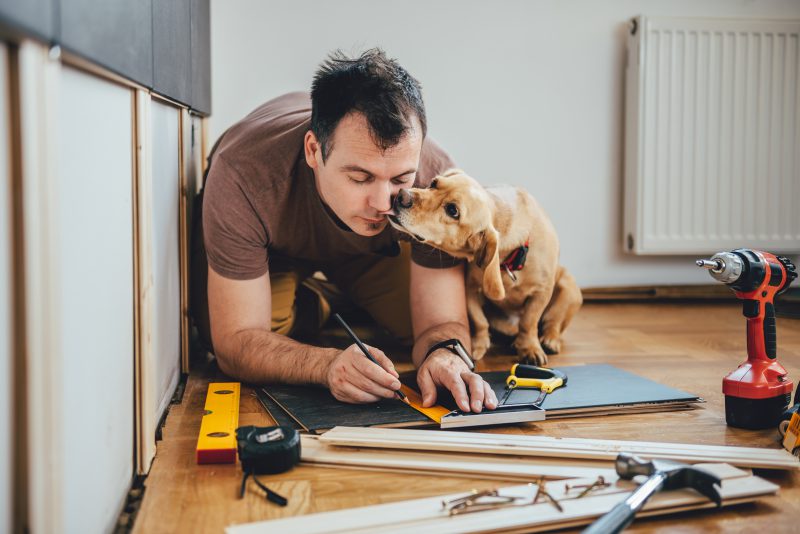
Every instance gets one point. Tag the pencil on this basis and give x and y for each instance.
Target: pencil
(363, 348)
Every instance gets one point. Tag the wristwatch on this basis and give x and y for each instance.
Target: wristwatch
(454, 346)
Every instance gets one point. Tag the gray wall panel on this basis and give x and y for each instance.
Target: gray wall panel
(36, 17)
(161, 44)
(201, 57)
(172, 55)
(114, 33)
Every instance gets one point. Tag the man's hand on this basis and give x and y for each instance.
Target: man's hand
(352, 377)
(443, 368)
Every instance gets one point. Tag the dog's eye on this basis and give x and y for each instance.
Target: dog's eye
(451, 210)
(434, 183)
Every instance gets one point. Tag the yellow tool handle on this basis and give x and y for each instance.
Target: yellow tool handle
(531, 376)
(548, 386)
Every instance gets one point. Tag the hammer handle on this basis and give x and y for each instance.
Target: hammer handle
(622, 514)
(612, 522)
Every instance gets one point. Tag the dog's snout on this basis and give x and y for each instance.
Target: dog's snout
(403, 199)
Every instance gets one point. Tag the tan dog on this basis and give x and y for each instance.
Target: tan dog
(457, 215)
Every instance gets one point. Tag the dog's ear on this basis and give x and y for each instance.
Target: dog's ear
(484, 244)
(452, 172)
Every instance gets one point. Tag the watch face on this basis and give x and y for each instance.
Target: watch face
(455, 346)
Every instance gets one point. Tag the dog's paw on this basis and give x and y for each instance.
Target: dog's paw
(530, 351)
(480, 344)
(551, 344)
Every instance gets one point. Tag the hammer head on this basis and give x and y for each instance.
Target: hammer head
(678, 475)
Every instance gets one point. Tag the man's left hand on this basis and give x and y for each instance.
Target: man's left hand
(443, 368)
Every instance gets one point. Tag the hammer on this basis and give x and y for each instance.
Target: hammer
(663, 474)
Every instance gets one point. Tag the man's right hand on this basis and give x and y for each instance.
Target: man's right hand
(353, 378)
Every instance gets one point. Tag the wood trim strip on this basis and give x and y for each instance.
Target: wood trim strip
(145, 355)
(21, 424)
(539, 441)
(184, 132)
(313, 451)
(38, 78)
(476, 442)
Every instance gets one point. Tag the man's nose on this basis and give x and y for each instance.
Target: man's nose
(403, 199)
(381, 198)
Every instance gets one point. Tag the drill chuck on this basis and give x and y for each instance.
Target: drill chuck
(726, 267)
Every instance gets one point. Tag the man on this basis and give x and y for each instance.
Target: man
(302, 186)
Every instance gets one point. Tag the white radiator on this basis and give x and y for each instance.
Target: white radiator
(712, 136)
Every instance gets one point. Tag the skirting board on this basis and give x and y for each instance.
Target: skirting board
(427, 514)
(468, 465)
(704, 292)
(480, 442)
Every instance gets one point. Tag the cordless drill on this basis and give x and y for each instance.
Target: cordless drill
(758, 391)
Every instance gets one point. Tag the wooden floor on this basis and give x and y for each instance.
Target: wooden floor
(689, 346)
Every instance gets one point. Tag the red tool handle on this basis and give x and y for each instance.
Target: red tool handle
(761, 333)
(759, 309)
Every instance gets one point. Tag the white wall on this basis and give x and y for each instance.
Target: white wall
(522, 92)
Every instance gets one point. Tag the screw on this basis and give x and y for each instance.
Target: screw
(599, 483)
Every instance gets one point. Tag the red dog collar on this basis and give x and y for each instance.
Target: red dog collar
(516, 260)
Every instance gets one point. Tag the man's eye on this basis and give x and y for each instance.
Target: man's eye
(359, 180)
(451, 210)
(401, 181)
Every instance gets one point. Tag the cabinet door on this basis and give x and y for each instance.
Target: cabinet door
(6, 331)
(93, 193)
(165, 267)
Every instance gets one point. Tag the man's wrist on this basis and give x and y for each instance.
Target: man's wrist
(326, 359)
(454, 346)
(427, 338)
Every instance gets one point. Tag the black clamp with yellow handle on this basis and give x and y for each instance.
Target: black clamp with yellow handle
(530, 376)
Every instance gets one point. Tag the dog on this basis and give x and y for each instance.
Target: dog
(487, 226)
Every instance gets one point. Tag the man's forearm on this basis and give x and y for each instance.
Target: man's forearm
(437, 333)
(257, 355)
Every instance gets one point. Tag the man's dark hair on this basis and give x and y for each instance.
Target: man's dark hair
(371, 84)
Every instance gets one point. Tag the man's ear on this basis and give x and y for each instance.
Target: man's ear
(312, 149)
(486, 256)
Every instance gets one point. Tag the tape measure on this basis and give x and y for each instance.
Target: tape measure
(267, 449)
(791, 438)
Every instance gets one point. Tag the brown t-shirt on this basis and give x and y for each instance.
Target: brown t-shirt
(261, 208)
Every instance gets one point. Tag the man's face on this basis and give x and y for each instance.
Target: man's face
(359, 179)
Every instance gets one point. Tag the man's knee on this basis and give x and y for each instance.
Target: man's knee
(283, 286)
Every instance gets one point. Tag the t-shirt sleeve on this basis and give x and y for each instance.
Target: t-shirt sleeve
(235, 237)
(434, 160)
